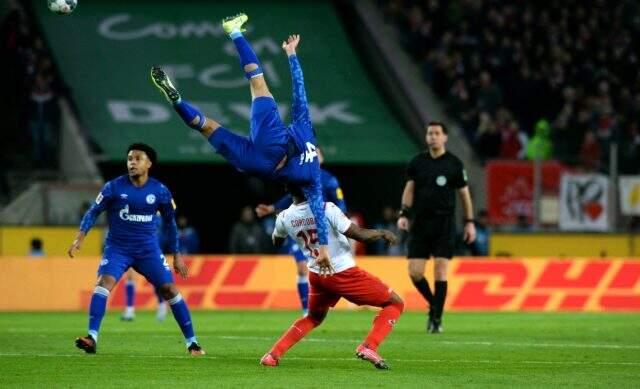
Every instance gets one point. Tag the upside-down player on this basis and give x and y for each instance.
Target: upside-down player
(272, 150)
(342, 279)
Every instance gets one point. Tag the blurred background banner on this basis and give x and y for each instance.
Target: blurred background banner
(629, 187)
(584, 202)
(263, 282)
(510, 188)
(349, 115)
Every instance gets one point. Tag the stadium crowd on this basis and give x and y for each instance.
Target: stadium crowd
(28, 100)
(558, 78)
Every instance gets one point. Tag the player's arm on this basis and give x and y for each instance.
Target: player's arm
(314, 196)
(89, 219)
(280, 233)
(167, 210)
(284, 202)
(369, 236)
(299, 111)
(407, 203)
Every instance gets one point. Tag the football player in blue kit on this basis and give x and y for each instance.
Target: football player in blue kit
(131, 202)
(332, 193)
(272, 150)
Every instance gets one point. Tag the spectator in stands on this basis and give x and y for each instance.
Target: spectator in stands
(388, 222)
(36, 248)
(513, 142)
(247, 236)
(43, 114)
(488, 137)
(488, 96)
(187, 236)
(540, 146)
(590, 152)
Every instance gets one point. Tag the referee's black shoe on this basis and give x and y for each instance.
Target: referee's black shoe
(430, 320)
(435, 326)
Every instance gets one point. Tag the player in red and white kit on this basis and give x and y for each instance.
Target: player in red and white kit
(339, 278)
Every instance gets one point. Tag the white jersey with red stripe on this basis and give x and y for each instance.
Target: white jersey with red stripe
(298, 222)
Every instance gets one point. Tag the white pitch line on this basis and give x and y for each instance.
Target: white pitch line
(483, 361)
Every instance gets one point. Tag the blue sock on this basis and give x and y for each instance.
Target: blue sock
(159, 296)
(96, 310)
(183, 317)
(188, 112)
(130, 291)
(247, 55)
(303, 292)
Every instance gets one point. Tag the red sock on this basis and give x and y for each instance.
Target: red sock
(383, 324)
(293, 335)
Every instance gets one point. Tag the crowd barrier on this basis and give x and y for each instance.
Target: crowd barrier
(269, 282)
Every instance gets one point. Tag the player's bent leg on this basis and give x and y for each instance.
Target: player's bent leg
(294, 334)
(383, 324)
(97, 309)
(182, 315)
(303, 284)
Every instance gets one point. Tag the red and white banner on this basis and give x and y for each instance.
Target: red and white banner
(510, 188)
(584, 202)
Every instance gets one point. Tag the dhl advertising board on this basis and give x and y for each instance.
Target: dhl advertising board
(267, 282)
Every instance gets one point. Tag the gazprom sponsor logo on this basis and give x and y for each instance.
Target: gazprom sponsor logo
(125, 215)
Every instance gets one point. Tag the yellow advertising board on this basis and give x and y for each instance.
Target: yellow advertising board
(268, 282)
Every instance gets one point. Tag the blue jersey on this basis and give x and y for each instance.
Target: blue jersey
(131, 213)
(331, 192)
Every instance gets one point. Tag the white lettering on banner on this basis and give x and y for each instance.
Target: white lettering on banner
(144, 112)
(113, 28)
(584, 202)
(141, 112)
(125, 215)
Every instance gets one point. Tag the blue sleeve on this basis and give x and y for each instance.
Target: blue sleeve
(333, 193)
(314, 196)
(99, 205)
(283, 203)
(299, 106)
(168, 212)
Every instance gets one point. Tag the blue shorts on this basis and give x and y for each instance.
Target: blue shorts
(290, 247)
(151, 264)
(264, 148)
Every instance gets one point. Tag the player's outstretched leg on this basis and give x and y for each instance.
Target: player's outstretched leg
(190, 114)
(294, 334)
(97, 308)
(248, 59)
(183, 317)
(382, 326)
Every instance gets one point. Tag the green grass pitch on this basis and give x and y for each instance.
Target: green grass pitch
(477, 349)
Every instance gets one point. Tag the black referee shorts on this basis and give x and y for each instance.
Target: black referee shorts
(432, 236)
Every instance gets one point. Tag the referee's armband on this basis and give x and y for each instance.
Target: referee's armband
(405, 212)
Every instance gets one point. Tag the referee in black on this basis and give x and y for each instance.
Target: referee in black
(428, 207)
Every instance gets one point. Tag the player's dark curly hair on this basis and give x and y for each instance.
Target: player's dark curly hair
(295, 191)
(151, 153)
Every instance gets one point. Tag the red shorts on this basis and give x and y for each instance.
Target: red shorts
(354, 284)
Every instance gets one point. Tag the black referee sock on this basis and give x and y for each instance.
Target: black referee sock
(423, 287)
(440, 297)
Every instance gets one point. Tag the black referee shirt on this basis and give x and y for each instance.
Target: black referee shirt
(436, 181)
